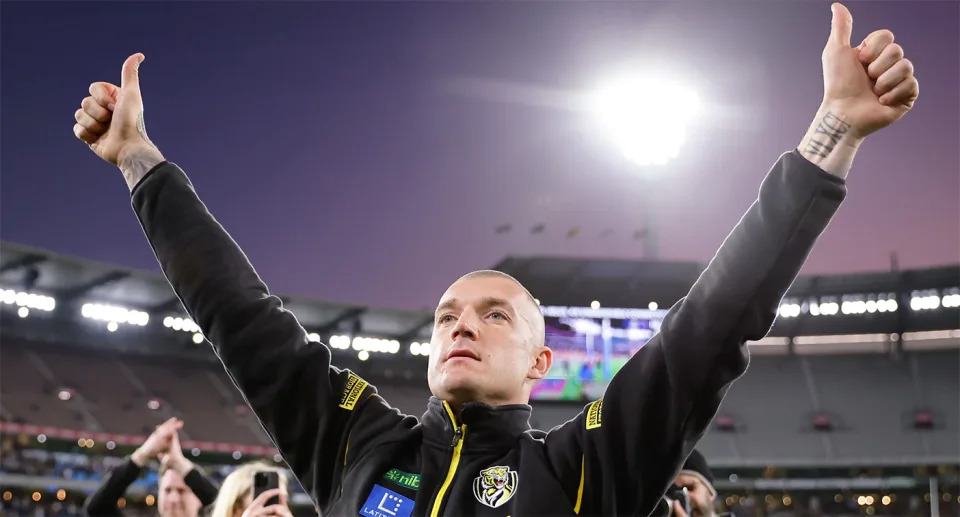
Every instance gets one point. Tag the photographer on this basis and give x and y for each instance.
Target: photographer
(692, 493)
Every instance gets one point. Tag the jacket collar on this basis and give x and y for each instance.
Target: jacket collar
(486, 426)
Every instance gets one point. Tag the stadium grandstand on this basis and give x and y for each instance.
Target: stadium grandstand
(851, 405)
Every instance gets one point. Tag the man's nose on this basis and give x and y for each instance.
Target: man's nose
(466, 326)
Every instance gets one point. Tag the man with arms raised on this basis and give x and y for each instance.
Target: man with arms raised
(473, 452)
(183, 489)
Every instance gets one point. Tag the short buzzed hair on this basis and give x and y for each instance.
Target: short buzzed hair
(539, 332)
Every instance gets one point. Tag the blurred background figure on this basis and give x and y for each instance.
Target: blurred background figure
(183, 489)
(696, 478)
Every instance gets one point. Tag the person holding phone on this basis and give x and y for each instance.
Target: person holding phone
(253, 490)
(695, 483)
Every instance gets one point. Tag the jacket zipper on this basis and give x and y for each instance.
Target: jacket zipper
(457, 444)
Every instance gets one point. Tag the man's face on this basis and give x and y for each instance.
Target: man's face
(701, 500)
(487, 343)
(175, 498)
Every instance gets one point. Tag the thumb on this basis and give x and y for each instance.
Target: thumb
(175, 443)
(129, 78)
(841, 26)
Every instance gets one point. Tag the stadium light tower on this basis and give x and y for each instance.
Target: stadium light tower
(646, 118)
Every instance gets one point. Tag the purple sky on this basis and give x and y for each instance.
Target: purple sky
(364, 152)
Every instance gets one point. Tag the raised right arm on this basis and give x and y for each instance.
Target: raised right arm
(305, 404)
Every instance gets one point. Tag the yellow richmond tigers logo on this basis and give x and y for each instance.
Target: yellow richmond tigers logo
(495, 486)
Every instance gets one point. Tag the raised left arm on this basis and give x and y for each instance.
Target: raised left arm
(621, 453)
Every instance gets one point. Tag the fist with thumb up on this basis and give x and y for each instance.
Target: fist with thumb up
(872, 85)
(110, 120)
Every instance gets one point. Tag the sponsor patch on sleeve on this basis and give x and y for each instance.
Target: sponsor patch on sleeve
(594, 412)
(386, 503)
(351, 391)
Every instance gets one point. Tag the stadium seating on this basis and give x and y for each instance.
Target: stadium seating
(870, 399)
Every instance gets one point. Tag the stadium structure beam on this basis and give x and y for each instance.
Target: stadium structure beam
(347, 315)
(24, 261)
(74, 292)
(903, 310)
(570, 286)
(167, 306)
(413, 331)
(794, 326)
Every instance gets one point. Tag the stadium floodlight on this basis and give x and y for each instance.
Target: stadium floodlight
(340, 342)
(951, 298)
(645, 117)
(382, 346)
(924, 300)
(28, 300)
(181, 324)
(114, 314)
(789, 310)
(421, 349)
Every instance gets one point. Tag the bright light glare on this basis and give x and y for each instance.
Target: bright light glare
(647, 118)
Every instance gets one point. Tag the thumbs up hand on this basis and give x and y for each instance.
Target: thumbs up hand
(110, 121)
(872, 85)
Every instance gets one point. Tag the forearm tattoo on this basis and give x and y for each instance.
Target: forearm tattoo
(828, 133)
(142, 129)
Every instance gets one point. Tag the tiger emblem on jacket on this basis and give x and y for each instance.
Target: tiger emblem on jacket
(495, 486)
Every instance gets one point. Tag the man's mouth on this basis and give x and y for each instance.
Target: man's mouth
(462, 353)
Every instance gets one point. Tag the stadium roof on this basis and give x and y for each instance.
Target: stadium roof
(70, 278)
(556, 281)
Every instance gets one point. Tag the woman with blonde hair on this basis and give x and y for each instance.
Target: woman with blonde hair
(236, 494)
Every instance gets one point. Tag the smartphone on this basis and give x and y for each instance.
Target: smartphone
(266, 480)
(681, 494)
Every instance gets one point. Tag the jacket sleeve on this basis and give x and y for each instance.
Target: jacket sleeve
(306, 405)
(619, 455)
(103, 501)
(202, 486)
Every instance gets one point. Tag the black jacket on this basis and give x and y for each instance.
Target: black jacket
(355, 454)
(103, 501)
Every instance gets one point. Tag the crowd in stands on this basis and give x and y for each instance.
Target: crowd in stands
(67, 483)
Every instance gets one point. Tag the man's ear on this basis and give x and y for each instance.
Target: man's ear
(542, 363)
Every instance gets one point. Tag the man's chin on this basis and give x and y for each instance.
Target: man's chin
(175, 512)
(460, 388)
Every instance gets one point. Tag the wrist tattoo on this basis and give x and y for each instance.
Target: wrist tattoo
(828, 133)
(136, 164)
